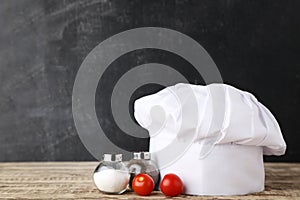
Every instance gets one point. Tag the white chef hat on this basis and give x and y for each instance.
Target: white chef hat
(212, 136)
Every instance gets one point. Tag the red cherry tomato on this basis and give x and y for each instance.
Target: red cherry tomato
(171, 185)
(142, 184)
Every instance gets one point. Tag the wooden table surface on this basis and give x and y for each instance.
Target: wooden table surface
(73, 180)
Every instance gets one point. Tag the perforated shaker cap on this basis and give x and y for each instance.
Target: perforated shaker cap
(142, 155)
(112, 157)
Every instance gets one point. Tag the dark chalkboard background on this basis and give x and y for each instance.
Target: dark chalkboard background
(255, 44)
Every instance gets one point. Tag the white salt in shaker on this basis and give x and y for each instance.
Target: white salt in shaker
(142, 163)
(111, 175)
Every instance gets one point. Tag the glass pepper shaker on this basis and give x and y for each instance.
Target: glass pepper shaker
(142, 163)
(111, 175)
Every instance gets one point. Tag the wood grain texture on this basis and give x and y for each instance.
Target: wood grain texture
(73, 180)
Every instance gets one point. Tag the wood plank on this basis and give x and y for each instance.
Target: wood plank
(73, 180)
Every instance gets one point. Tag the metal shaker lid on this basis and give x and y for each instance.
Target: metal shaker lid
(112, 157)
(142, 155)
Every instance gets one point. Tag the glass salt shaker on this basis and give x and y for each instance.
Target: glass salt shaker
(142, 163)
(111, 175)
